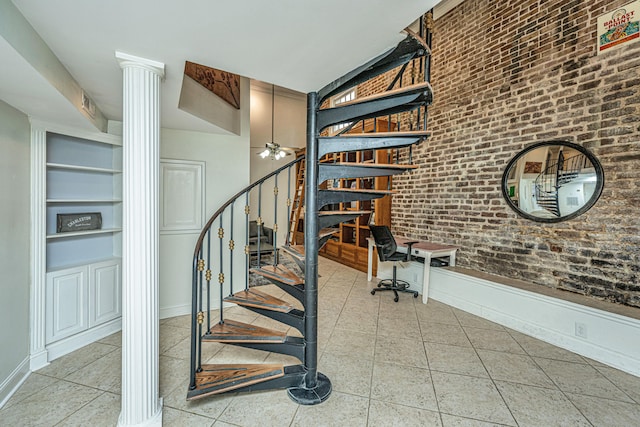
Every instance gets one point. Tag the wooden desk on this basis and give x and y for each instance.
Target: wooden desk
(425, 250)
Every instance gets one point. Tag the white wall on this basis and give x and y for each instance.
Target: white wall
(289, 131)
(226, 172)
(14, 249)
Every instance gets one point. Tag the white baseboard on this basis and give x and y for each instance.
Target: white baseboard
(609, 338)
(175, 310)
(39, 360)
(74, 342)
(14, 381)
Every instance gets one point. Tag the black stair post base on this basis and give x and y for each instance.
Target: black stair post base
(312, 396)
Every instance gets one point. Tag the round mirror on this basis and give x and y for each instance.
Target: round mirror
(552, 181)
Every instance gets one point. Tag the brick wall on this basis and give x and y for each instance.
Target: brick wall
(507, 74)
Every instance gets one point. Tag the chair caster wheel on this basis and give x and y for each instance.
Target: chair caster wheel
(373, 292)
(396, 299)
(415, 295)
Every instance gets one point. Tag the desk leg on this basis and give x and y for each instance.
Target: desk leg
(425, 278)
(452, 258)
(370, 262)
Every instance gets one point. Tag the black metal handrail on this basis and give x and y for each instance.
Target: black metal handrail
(202, 258)
(557, 174)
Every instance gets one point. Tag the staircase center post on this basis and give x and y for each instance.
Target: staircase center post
(311, 245)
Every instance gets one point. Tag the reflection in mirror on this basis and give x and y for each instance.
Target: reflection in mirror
(552, 181)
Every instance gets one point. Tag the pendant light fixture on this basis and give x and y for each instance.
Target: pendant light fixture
(272, 149)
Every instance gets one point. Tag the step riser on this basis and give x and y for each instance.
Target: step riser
(370, 109)
(295, 350)
(295, 291)
(328, 197)
(331, 220)
(295, 318)
(331, 171)
(346, 144)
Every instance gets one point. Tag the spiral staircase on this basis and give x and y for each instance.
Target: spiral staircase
(214, 252)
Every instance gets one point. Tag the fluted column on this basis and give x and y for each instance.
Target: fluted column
(141, 403)
(39, 355)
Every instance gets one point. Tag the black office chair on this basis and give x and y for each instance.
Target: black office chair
(387, 251)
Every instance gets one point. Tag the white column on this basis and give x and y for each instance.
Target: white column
(141, 403)
(39, 355)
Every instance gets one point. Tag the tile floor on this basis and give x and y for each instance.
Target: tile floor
(391, 364)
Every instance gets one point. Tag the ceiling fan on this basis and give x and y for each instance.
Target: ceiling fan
(272, 149)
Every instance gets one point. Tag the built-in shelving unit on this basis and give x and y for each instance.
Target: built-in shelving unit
(83, 268)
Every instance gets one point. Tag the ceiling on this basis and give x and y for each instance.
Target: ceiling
(300, 45)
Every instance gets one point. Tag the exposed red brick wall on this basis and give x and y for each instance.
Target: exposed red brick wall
(507, 74)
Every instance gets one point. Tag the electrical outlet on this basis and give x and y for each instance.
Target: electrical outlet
(581, 330)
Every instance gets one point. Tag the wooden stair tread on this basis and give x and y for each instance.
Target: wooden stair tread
(216, 379)
(373, 165)
(295, 250)
(398, 134)
(279, 272)
(232, 331)
(329, 213)
(326, 232)
(419, 39)
(258, 299)
(360, 190)
(388, 94)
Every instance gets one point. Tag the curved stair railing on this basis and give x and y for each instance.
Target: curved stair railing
(549, 181)
(304, 384)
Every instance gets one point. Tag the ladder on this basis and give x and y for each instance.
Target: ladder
(295, 237)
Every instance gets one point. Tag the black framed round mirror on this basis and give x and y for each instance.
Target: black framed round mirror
(552, 181)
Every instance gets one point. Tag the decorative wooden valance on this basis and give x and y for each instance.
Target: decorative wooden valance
(222, 83)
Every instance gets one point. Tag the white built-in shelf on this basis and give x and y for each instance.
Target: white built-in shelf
(83, 201)
(62, 166)
(83, 233)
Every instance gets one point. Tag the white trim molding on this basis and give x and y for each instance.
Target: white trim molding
(444, 6)
(11, 384)
(604, 336)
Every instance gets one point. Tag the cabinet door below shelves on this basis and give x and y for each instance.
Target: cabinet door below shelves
(66, 309)
(104, 292)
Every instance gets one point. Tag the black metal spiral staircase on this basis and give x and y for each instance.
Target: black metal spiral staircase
(304, 383)
(549, 182)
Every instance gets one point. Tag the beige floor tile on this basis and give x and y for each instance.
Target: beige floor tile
(80, 358)
(581, 379)
(49, 406)
(113, 339)
(468, 319)
(182, 350)
(607, 413)
(179, 321)
(339, 409)
(358, 321)
(211, 406)
(489, 339)
(534, 406)
(403, 385)
(33, 384)
(537, 348)
(104, 374)
(399, 327)
(436, 312)
(173, 372)
(170, 336)
(384, 414)
(444, 333)
(175, 418)
(628, 383)
(271, 408)
(348, 374)
(455, 421)
(470, 397)
(455, 360)
(347, 342)
(516, 368)
(103, 411)
(408, 352)
(233, 354)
